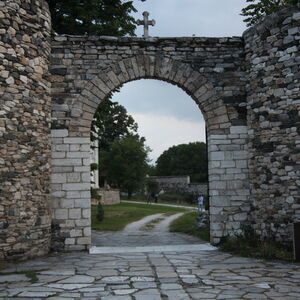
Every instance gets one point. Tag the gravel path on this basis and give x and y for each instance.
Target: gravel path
(136, 226)
(134, 236)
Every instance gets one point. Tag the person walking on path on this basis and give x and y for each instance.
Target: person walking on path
(200, 203)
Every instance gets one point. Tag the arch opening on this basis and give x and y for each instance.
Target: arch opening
(227, 148)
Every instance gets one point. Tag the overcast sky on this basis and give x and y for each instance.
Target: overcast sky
(165, 114)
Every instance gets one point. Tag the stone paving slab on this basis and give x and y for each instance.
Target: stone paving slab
(170, 275)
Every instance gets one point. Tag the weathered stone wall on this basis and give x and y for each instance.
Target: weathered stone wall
(25, 108)
(273, 94)
(180, 184)
(108, 197)
(85, 69)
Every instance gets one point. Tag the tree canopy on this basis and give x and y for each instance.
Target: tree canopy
(260, 8)
(125, 164)
(111, 121)
(185, 159)
(92, 17)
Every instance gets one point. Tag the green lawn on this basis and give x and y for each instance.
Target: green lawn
(187, 224)
(160, 202)
(117, 216)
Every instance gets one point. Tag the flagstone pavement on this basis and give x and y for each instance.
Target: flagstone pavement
(168, 271)
(150, 276)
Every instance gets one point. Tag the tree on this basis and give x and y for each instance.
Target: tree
(125, 163)
(185, 159)
(111, 122)
(260, 8)
(92, 17)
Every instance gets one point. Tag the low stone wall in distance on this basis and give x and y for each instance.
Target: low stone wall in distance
(108, 197)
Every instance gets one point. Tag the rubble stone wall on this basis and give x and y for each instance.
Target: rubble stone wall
(25, 114)
(247, 89)
(273, 103)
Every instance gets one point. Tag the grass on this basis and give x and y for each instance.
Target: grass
(151, 225)
(117, 216)
(251, 246)
(30, 274)
(188, 224)
(161, 202)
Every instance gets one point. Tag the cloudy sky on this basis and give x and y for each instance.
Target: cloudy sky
(165, 114)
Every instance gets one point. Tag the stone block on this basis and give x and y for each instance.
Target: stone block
(75, 233)
(86, 213)
(228, 164)
(82, 169)
(233, 171)
(58, 178)
(238, 130)
(67, 203)
(75, 147)
(73, 195)
(75, 213)
(58, 154)
(217, 155)
(83, 223)
(240, 154)
(240, 217)
(58, 133)
(83, 203)
(219, 201)
(73, 177)
(58, 194)
(86, 162)
(78, 154)
(70, 241)
(59, 169)
(84, 241)
(67, 162)
(76, 247)
(76, 186)
(61, 214)
(217, 185)
(87, 232)
(85, 177)
(76, 140)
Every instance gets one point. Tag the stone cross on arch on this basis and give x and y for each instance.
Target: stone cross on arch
(146, 22)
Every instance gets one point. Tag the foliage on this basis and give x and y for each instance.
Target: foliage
(119, 215)
(111, 122)
(185, 159)
(260, 8)
(100, 212)
(94, 194)
(125, 163)
(93, 17)
(250, 245)
(188, 224)
(94, 167)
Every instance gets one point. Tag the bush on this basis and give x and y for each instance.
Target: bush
(100, 212)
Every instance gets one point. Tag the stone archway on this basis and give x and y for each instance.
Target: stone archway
(228, 171)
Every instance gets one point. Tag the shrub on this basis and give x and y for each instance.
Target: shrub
(100, 212)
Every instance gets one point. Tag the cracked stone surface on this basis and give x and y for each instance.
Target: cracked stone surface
(151, 276)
